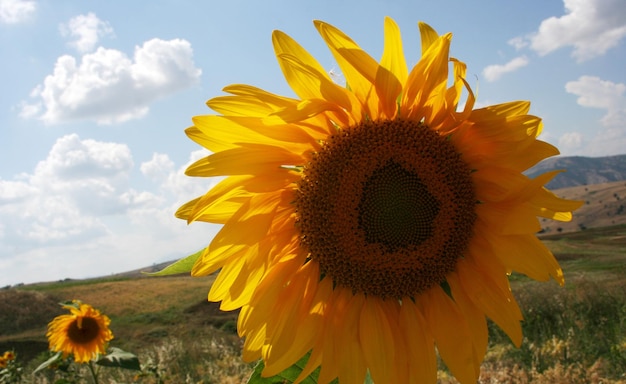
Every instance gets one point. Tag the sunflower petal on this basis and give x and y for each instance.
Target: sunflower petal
(376, 340)
(420, 344)
(428, 36)
(357, 66)
(392, 72)
(502, 309)
(248, 160)
(451, 333)
(528, 255)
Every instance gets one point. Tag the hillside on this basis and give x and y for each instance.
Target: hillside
(605, 205)
(582, 170)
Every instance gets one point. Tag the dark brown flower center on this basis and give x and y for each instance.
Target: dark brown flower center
(386, 208)
(86, 333)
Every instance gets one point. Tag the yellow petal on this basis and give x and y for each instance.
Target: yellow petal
(392, 72)
(474, 316)
(500, 307)
(250, 159)
(528, 255)
(376, 340)
(310, 108)
(320, 311)
(245, 229)
(273, 101)
(451, 333)
(220, 202)
(420, 343)
(427, 78)
(286, 343)
(218, 133)
(239, 106)
(350, 360)
(308, 83)
(237, 280)
(283, 43)
(501, 111)
(357, 66)
(393, 54)
(428, 36)
(264, 298)
(554, 207)
(253, 344)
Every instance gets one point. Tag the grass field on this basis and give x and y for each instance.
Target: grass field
(573, 334)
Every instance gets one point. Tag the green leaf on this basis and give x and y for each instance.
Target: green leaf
(287, 376)
(183, 265)
(71, 303)
(120, 358)
(52, 360)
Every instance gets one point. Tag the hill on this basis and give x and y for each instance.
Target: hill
(605, 205)
(582, 170)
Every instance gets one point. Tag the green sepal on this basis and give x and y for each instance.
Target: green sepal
(121, 359)
(57, 357)
(71, 304)
(183, 265)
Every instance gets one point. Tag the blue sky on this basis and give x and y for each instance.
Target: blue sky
(95, 97)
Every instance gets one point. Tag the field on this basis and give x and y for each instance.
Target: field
(573, 334)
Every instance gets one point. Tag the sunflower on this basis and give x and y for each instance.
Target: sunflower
(84, 333)
(371, 224)
(8, 355)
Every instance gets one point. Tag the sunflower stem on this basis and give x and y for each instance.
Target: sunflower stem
(94, 374)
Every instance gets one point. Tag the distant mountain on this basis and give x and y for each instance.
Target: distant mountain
(582, 170)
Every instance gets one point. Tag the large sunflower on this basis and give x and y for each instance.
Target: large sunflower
(369, 224)
(84, 333)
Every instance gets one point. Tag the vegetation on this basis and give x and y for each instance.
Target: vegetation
(573, 334)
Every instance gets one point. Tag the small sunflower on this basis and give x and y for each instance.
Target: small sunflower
(84, 333)
(8, 355)
(372, 223)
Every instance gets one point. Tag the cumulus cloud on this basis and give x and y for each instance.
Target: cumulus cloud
(570, 141)
(86, 30)
(77, 214)
(108, 87)
(597, 93)
(16, 11)
(591, 27)
(518, 42)
(594, 92)
(59, 200)
(494, 72)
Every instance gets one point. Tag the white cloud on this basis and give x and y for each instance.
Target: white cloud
(87, 30)
(174, 181)
(494, 72)
(158, 168)
(570, 141)
(108, 87)
(597, 93)
(16, 11)
(594, 92)
(518, 42)
(77, 214)
(592, 27)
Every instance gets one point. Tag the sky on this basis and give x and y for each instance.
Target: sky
(95, 97)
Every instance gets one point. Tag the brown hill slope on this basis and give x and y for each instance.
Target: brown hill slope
(605, 205)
